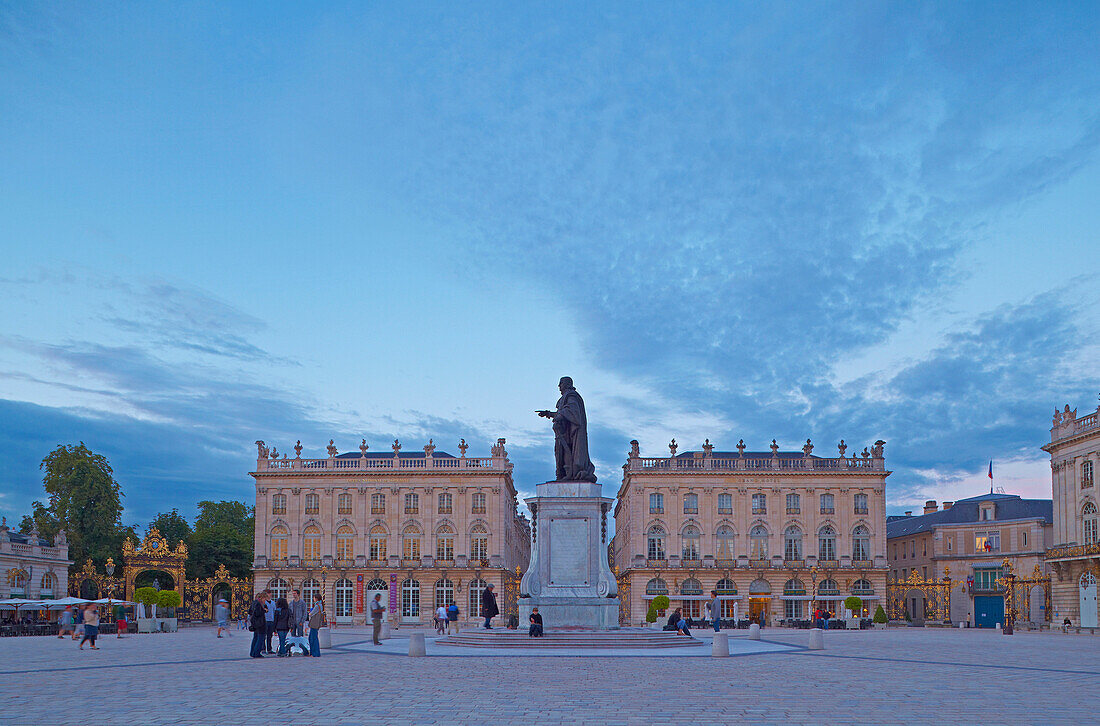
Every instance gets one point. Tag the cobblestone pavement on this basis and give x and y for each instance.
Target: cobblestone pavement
(890, 676)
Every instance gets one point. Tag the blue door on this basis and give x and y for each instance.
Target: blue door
(989, 610)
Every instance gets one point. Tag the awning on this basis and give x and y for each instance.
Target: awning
(674, 598)
(795, 597)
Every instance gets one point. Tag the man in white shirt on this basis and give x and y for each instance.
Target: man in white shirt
(441, 619)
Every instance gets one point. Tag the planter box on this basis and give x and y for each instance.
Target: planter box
(880, 626)
(852, 624)
(147, 625)
(168, 625)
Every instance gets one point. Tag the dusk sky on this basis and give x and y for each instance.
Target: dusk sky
(224, 222)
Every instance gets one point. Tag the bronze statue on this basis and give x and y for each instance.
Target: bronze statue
(570, 435)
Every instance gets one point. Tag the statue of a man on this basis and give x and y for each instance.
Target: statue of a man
(570, 435)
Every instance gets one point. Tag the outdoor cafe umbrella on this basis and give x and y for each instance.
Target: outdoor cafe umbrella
(22, 604)
(64, 602)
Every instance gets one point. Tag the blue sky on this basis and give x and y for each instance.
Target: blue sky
(229, 222)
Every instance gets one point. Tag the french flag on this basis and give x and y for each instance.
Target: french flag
(991, 476)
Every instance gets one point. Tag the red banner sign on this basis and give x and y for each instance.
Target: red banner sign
(359, 594)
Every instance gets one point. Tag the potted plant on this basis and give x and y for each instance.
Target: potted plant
(169, 600)
(148, 598)
(658, 604)
(880, 617)
(854, 605)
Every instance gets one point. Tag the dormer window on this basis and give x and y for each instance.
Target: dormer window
(987, 512)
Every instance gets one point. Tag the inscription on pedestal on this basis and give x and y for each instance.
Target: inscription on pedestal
(569, 561)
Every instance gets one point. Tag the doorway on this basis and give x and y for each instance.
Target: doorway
(758, 606)
(1087, 585)
(989, 610)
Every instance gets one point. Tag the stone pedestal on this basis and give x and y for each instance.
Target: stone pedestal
(569, 579)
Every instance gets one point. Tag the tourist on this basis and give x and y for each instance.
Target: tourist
(120, 621)
(714, 611)
(257, 623)
(1066, 625)
(673, 620)
(78, 621)
(269, 628)
(299, 613)
(91, 626)
(682, 627)
(316, 620)
(489, 605)
(452, 618)
(282, 623)
(221, 614)
(376, 611)
(66, 622)
(441, 619)
(536, 624)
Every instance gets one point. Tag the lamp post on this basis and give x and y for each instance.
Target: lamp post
(1010, 600)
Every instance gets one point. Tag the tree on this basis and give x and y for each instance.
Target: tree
(223, 534)
(172, 526)
(42, 519)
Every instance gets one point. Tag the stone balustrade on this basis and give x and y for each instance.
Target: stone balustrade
(471, 463)
(756, 463)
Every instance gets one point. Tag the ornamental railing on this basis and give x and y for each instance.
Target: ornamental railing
(488, 463)
(757, 463)
(1075, 551)
(1074, 426)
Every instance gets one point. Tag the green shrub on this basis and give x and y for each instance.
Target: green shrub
(659, 603)
(880, 615)
(651, 616)
(169, 599)
(854, 604)
(146, 596)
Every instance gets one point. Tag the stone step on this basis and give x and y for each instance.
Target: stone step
(569, 639)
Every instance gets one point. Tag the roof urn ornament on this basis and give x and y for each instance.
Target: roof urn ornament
(298, 449)
(261, 450)
(429, 448)
(635, 450)
(775, 449)
(740, 447)
(672, 446)
(842, 447)
(396, 447)
(274, 452)
(363, 449)
(331, 448)
(808, 448)
(462, 447)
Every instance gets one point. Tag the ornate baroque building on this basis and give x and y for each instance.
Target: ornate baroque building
(770, 531)
(33, 568)
(422, 528)
(1074, 450)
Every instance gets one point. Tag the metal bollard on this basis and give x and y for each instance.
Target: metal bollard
(416, 644)
(720, 647)
(817, 639)
(754, 631)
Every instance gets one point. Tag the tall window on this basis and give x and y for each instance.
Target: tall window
(410, 598)
(827, 505)
(690, 536)
(724, 538)
(377, 503)
(986, 578)
(311, 543)
(17, 583)
(342, 592)
(1086, 474)
(987, 542)
(477, 587)
(828, 587)
(478, 506)
(444, 503)
(759, 504)
(794, 504)
(345, 544)
(444, 593)
(655, 540)
(691, 504)
(445, 543)
(725, 504)
(479, 543)
(826, 543)
(278, 504)
(343, 504)
(861, 543)
(311, 590)
(410, 543)
(1088, 520)
(47, 585)
(728, 606)
(792, 543)
(280, 538)
(758, 543)
(412, 504)
(378, 543)
(278, 587)
(313, 504)
(656, 503)
(792, 609)
(691, 588)
(860, 502)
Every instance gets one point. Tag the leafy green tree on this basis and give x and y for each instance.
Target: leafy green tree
(42, 519)
(172, 526)
(223, 534)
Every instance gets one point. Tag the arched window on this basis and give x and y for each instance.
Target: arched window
(378, 543)
(49, 582)
(656, 586)
(724, 539)
(792, 543)
(826, 543)
(1089, 524)
(727, 605)
(794, 586)
(444, 593)
(479, 544)
(793, 592)
(861, 543)
(278, 504)
(725, 586)
(311, 590)
(313, 504)
(690, 537)
(278, 587)
(655, 540)
(691, 586)
(445, 543)
(758, 543)
(760, 587)
(863, 587)
(345, 543)
(477, 586)
(410, 543)
(378, 584)
(311, 543)
(342, 592)
(410, 598)
(828, 587)
(280, 539)
(17, 583)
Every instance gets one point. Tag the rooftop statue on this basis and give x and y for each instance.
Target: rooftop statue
(570, 435)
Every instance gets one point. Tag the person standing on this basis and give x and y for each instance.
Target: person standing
(299, 613)
(66, 622)
(441, 619)
(257, 623)
(269, 627)
(489, 605)
(714, 610)
(282, 623)
(452, 618)
(316, 620)
(377, 609)
(91, 626)
(221, 614)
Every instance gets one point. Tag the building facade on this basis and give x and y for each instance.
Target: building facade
(33, 568)
(422, 528)
(772, 532)
(1074, 450)
(975, 542)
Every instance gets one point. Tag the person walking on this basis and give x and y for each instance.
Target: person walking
(269, 627)
(452, 618)
(489, 605)
(257, 623)
(714, 609)
(91, 626)
(316, 620)
(441, 620)
(376, 611)
(282, 623)
(299, 613)
(221, 614)
(78, 621)
(66, 622)
(120, 621)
